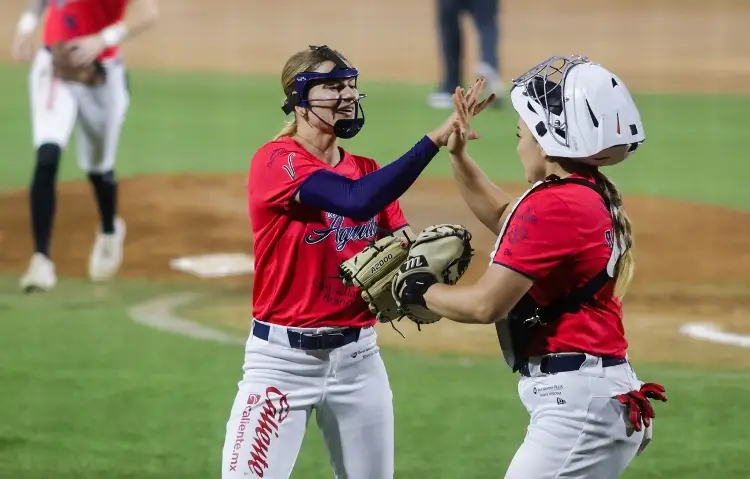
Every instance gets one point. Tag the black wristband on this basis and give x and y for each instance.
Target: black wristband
(415, 286)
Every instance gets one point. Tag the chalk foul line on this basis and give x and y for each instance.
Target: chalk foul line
(159, 314)
(712, 332)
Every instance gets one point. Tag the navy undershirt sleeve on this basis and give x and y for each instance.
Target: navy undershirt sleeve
(365, 197)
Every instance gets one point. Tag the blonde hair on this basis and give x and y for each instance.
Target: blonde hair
(302, 61)
(623, 230)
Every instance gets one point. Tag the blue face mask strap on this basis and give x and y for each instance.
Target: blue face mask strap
(303, 81)
(344, 127)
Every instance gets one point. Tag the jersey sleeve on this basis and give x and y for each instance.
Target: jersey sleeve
(277, 174)
(539, 236)
(392, 218)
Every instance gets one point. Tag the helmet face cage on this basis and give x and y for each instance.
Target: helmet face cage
(545, 84)
(343, 128)
(303, 81)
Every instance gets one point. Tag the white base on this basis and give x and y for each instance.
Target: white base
(216, 265)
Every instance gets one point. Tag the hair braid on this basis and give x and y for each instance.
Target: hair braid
(623, 233)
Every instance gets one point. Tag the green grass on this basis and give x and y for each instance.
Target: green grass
(209, 123)
(86, 393)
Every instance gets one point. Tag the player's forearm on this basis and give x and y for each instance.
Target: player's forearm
(462, 304)
(484, 198)
(364, 198)
(140, 16)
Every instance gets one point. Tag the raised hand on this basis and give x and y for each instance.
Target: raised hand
(467, 106)
(473, 107)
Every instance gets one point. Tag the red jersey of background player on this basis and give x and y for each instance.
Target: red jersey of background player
(69, 19)
(560, 237)
(298, 249)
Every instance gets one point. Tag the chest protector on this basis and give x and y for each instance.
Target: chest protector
(516, 330)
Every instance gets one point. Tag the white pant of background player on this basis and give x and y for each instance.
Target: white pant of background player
(98, 113)
(346, 386)
(577, 429)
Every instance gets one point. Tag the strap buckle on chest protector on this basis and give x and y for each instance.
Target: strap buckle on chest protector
(534, 320)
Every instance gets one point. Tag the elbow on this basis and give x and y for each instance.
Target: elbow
(490, 311)
(484, 314)
(360, 209)
(360, 214)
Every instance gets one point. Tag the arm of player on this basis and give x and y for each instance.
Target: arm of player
(484, 302)
(23, 47)
(529, 250)
(365, 197)
(483, 197)
(140, 16)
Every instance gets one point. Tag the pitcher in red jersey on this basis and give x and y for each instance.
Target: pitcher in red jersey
(312, 206)
(561, 263)
(94, 30)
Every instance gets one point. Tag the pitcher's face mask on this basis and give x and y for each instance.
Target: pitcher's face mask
(338, 93)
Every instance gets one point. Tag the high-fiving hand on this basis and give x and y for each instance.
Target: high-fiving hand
(467, 106)
(472, 108)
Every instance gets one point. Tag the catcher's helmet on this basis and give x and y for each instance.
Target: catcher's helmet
(578, 109)
(342, 128)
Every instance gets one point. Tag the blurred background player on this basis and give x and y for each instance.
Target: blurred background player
(485, 16)
(92, 31)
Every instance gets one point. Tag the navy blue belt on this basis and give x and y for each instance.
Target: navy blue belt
(311, 341)
(560, 363)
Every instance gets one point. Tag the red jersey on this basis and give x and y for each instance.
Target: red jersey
(69, 19)
(561, 237)
(298, 249)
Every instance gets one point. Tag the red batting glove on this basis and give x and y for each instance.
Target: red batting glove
(639, 408)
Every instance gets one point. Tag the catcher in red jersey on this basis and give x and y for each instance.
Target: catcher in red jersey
(560, 267)
(326, 224)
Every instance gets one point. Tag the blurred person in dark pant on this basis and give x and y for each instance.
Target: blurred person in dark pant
(485, 16)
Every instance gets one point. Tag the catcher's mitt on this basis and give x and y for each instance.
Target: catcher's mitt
(92, 74)
(371, 271)
(441, 253)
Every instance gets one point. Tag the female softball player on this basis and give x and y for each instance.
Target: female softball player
(312, 345)
(561, 263)
(80, 37)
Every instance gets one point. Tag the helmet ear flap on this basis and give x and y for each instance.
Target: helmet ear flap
(293, 99)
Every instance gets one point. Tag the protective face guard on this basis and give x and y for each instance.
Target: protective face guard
(342, 128)
(550, 75)
(545, 84)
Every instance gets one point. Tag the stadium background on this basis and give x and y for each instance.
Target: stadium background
(89, 391)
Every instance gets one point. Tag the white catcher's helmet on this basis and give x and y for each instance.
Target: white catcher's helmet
(578, 109)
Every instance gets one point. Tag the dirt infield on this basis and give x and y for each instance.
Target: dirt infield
(687, 268)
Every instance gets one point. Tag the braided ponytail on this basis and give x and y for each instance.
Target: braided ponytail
(623, 233)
